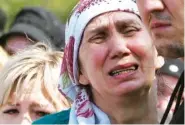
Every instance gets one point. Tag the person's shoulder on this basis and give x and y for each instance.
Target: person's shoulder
(56, 118)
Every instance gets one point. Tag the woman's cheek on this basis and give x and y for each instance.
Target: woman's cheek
(140, 48)
(4, 119)
(98, 56)
(144, 52)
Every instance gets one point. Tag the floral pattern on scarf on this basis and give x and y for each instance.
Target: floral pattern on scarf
(82, 105)
(67, 65)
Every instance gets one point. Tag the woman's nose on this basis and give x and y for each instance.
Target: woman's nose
(26, 119)
(119, 47)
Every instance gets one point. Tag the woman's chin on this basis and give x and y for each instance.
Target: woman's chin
(132, 88)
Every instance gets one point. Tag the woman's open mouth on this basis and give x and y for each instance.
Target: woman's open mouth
(125, 69)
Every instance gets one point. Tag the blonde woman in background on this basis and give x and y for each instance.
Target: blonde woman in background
(3, 57)
(29, 86)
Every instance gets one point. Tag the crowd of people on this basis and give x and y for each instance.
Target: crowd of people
(93, 69)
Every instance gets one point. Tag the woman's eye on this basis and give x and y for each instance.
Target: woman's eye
(11, 111)
(130, 31)
(41, 113)
(97, 38)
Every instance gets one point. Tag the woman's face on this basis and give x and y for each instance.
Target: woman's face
(16, 43)
(116, 55)
(29, 107)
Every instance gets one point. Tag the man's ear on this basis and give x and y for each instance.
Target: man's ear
(159, 62)
(83, 79)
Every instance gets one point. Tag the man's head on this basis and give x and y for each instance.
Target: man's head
(36, 24)
(165, 21)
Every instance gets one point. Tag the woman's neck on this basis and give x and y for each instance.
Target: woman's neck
(136, 108)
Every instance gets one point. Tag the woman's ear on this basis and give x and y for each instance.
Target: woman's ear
(83, 79)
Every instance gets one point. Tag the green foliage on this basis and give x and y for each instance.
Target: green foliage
(61, 8)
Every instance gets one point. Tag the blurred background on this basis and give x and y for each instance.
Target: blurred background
(61, 8)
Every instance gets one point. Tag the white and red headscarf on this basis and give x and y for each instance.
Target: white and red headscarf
(83, 111)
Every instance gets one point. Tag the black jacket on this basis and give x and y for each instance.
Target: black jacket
(178, 117)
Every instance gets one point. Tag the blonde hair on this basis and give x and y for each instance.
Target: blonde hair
(36, 65)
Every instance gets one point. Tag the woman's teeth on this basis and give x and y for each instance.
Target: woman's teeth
(126, 70)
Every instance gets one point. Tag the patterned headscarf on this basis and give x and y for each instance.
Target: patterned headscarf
(84, 111)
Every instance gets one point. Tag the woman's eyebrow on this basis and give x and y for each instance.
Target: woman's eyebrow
(97, 29)
(126, 22)
(36, 105)
(40, 106)
(12, 103)
(94, 28)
